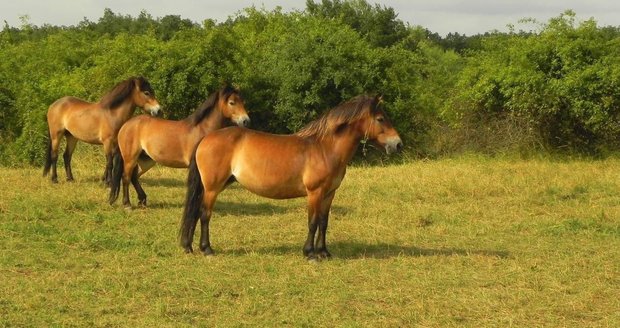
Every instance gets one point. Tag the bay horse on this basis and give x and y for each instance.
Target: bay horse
(95, 123)
(144, 140)
(310, 163)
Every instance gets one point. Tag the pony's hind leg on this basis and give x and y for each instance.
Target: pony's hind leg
(208, 201)
(55, 143)
(215, 185)
(130, 171)
(71, 143)
(145, 163)
(136, 184)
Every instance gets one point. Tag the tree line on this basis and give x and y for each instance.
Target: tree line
(554, 89)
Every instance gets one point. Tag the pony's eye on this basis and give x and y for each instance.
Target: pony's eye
(231, 103)
(380, 119)
(147, 93)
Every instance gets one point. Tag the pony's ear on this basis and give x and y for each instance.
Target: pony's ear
(135, 83)
(143, 84)
(378, 102)
(379, 99)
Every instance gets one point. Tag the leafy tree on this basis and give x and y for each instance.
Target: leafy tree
(562, 81)
(311, 67)
(377, 24)
(169, 25)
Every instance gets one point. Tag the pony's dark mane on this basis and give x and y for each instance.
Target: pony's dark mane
(123, 90)
(338, 116)
(204, 110)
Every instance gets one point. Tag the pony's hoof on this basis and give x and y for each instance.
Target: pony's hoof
(324, 254)
(188, 250)
(207, 251)
(70, 179)
(54, 180)
(312, 259)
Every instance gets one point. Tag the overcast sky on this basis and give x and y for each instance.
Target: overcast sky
(441, 16)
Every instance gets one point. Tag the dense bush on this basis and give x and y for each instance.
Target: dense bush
(563, 80)
(560, 84)
(290, 67)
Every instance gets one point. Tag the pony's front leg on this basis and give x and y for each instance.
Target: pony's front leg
(107, 173)
(314, 210)
(321, 245)
(109, 147)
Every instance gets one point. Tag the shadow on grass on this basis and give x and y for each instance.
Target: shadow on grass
(148, 181)
(89, 179)
(158, 204)
(172, 182)
(229, 208)
(245, 209)
(163, 182)
(356, 250)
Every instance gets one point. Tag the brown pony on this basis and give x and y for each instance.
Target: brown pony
(95, 123)
(310, 163)
(144, 140)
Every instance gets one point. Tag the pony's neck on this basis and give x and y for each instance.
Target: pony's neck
(124, 111)
(214, 121)
(342, 146)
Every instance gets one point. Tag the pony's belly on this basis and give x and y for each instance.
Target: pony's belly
(275, 192)
(272, 187)
(85, 127)
(166, 154)
(168, 162)
(88, 138)
(270, 168)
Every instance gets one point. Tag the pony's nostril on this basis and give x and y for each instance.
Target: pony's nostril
(399, 146)
(242, 121)
(154, 110)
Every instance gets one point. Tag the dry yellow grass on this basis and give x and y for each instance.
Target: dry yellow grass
(461, 242)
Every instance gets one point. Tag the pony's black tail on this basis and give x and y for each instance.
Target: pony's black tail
(193, 205)
(48, 156)
(117, 173)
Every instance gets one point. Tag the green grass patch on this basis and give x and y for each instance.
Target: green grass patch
(455, 242)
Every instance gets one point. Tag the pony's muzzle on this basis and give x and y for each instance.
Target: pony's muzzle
(393, 145)
(243, 121)
(153, 110)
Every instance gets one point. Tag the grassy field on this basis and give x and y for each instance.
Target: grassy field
(462, 242)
